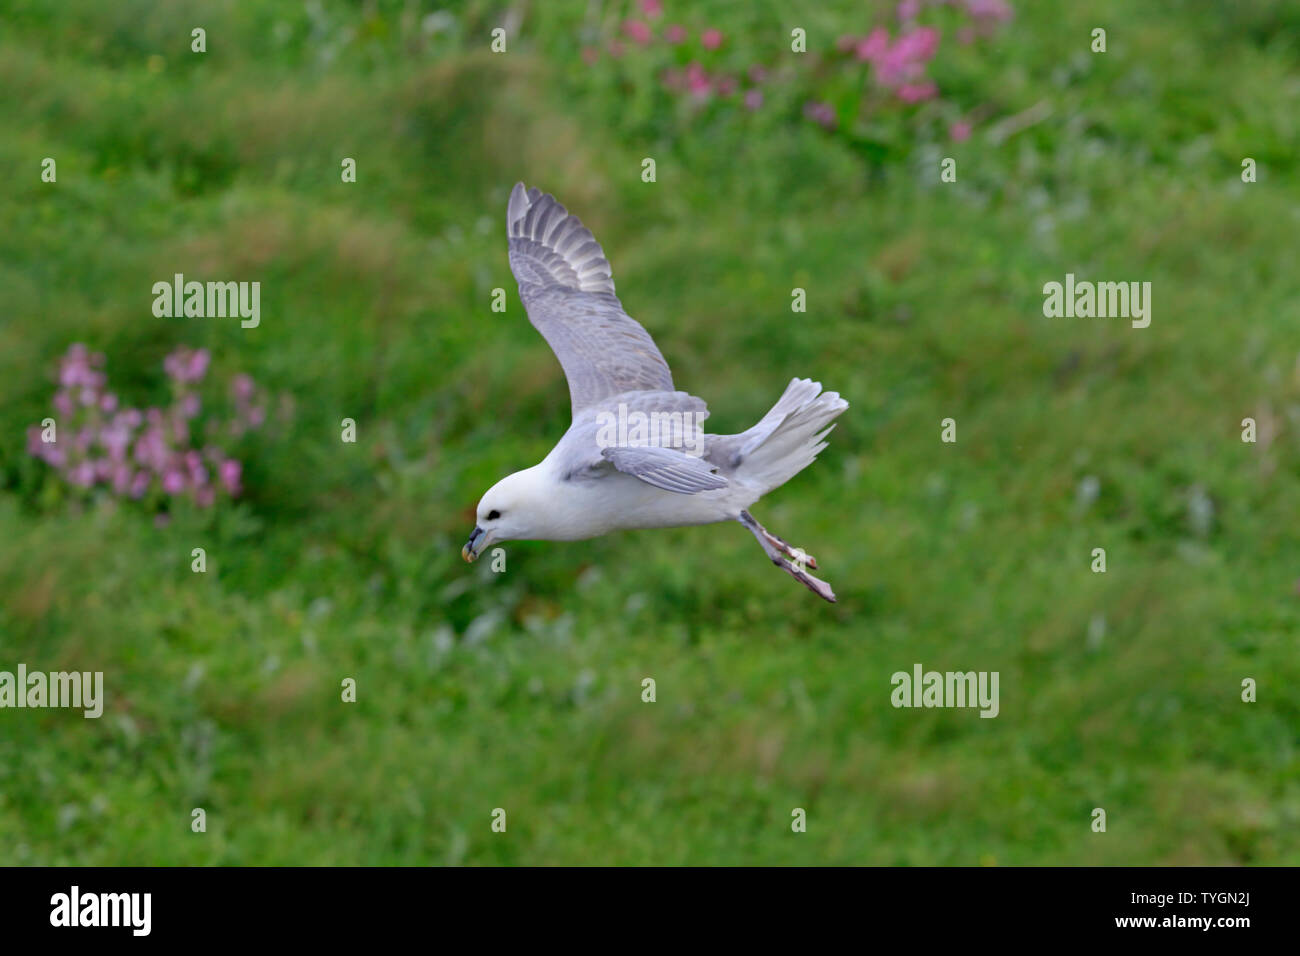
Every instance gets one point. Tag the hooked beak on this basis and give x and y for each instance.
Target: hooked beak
(477, 536)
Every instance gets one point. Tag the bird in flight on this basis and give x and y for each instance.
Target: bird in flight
(635, 455)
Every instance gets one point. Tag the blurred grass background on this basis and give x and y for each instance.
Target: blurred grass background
(522, 690)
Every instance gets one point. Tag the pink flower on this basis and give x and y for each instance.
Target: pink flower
(988, 9)
(186, 365)
(108, 403)
(198, 366)
(180, 431)
(753, 99)
(923, 42)
(616, 49)
(820, 113)
(892, 68)
(638, 31)
(75, 368)
(675, 33)
(82, 474)
(151, 449)
(908, 9)
(652, 8)
(697, 80)
(121, 478)
(115, 438)
(174, 365)
(229, 472)
(959, 131)
(590, 55)
(873, 46)
(242, 387)
(905, 60)
(711, 39)
(173, 481)
(916, 92)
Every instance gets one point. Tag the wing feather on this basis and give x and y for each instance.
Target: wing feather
(666, 468)
(567, 289)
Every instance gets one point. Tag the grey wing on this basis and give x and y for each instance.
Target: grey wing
(568, 292)
(666, 468)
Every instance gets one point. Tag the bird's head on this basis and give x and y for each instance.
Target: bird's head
(507, 512)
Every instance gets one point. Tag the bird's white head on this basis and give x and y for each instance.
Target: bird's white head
(513, 509)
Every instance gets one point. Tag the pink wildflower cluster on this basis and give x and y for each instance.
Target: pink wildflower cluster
(899, 58)
(132, 452)
(701, 84)
(899, 63)
(693, 79)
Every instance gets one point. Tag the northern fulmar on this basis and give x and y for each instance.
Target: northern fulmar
(636, 454)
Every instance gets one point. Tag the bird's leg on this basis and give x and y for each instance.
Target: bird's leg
(798, 556)
(778, 551)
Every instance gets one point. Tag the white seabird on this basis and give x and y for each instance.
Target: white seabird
(597, 479)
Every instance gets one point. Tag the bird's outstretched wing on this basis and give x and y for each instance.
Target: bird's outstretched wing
(666, 468)
(566, 287)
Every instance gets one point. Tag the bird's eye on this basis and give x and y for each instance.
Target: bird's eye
(493, 515)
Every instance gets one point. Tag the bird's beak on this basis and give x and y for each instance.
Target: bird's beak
(469, 552)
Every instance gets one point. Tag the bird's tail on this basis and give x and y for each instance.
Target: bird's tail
(788, 438)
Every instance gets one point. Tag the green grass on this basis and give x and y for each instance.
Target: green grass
(523, 690)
